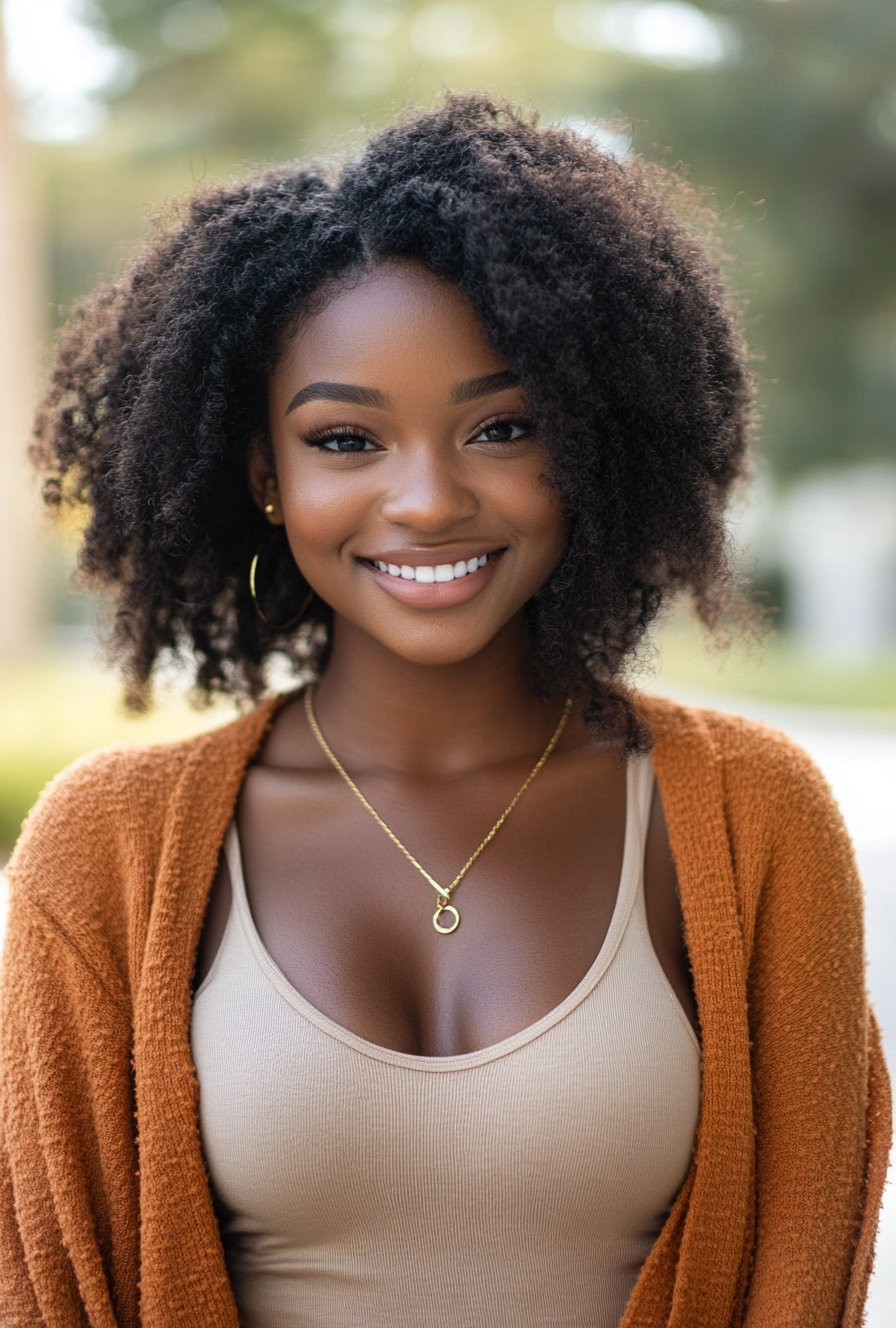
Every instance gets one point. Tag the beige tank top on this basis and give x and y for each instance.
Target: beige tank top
(519, 1186)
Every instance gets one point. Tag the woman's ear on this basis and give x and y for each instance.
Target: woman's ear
(263, 483)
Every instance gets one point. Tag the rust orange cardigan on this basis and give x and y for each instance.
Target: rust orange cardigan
(105, 1213)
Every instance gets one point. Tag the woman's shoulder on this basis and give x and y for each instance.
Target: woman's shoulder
(743, 797)
(112, 806)
(761, 773)
(694, 732)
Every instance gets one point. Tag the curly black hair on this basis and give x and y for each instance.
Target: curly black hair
(590, 276)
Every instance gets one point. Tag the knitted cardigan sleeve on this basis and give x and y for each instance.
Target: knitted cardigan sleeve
(69, 1220)
(814, 1050)
(68, 1187)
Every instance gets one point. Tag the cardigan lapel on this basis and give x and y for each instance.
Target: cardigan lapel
(703, 1250)
(184, 1278)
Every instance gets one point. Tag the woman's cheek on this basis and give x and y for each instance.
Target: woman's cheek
(531, 509)
(322, 511)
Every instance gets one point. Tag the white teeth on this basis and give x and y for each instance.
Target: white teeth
(428, 574)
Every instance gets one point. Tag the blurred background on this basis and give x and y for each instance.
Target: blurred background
(784, 109)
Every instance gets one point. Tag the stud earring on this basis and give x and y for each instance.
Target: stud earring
(269, 509)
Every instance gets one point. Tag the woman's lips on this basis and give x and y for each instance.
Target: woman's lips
(434, 584)
(430, 572)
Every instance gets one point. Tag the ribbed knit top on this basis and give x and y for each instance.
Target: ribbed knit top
(518, 1186)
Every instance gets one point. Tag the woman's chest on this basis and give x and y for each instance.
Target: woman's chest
(337, 1162)
(349, 920)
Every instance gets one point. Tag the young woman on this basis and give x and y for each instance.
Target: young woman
(462, 987)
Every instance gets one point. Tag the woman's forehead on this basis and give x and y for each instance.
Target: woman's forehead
(395, 319)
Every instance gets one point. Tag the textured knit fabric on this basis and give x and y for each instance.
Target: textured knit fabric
(355, 1183)
(106, 1217)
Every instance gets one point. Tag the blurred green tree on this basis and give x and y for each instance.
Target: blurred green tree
(786, 108)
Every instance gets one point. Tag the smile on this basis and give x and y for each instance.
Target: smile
(429, 573)
(435, 585)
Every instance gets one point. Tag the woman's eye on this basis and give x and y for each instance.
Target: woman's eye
(349, 442)
(503, 431)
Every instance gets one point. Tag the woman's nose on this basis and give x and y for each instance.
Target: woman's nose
(428, 492)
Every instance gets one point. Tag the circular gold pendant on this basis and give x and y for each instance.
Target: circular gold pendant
(437, 916)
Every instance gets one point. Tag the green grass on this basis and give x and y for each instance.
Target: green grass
(777, 672)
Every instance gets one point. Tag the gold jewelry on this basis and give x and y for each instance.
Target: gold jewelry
(444, 892)
(269, 509)
(278, 627)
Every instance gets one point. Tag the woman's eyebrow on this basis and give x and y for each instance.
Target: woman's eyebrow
(470, 390)
(474, 388)
(349, 392)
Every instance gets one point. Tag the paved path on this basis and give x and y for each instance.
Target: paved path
(858, 756)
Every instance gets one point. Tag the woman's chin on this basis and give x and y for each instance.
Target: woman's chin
(437, 654)
(431, 644)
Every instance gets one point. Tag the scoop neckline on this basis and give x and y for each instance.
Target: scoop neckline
(638, 788)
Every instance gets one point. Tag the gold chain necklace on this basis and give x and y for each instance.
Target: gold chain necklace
(444, 892)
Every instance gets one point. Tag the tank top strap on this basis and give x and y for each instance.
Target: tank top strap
(640, 780)
(236, 914)
(234, 859)
(630, 896)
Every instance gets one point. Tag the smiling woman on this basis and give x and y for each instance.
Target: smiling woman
(569, 268)
(418, 454)
(446, 427)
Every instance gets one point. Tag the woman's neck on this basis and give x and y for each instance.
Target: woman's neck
(385, 711)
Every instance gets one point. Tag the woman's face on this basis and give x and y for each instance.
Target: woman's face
(408, 474)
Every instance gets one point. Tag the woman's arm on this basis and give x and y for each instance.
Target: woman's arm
(69, 1202)
(821, 1138)
(68, 1186)
(18, 1303)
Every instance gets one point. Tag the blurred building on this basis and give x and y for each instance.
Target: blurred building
(837, 542)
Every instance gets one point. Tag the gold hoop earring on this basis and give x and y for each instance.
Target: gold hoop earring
(278, 627)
